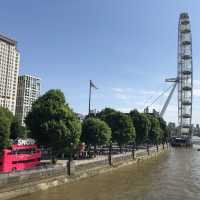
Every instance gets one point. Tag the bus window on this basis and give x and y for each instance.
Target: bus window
(23, 161)
(24, 151)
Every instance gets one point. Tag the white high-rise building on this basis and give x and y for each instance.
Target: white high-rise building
(9, 68)
(27, 92)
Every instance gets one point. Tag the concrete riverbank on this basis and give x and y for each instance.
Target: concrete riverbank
(29, 182)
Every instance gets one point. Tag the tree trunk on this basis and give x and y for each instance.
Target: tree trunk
(163, 145)
(69, 162)
(120, 148)
(69, 166)
(89, 151)
(53, 159)
(95, 150)
(110, 155)
(157, 147)
(133, 152)
(148, 149)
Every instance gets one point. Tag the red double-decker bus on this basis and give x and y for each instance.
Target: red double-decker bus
(21, 155)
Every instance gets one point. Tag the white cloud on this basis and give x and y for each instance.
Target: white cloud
(172, 108)
(124, 110)
(123, 93)
(121, 96)
(196, 83)
(130, 90)
(118, 90)
(196, 88)
(196, 92)
(121, 90)
(139, 103)
(148, 92)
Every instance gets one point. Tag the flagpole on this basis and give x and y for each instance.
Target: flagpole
(90, 97)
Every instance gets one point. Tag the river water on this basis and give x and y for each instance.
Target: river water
(174, 175)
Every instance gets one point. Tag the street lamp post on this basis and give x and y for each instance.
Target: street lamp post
(110, 154)
(133, 150)
(90, 95)
(70, 159)
(148, 146)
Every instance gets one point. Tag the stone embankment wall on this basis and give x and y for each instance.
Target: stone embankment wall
(32, 181)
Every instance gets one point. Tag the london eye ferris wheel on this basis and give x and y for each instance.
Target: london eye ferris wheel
(183, 80)
(185, 76)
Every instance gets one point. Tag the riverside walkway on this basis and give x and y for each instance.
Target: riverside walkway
(62, 163)
(105, 157)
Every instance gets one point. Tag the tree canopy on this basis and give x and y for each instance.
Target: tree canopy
(95, 132)
(121, 125)
(123, 131)
(164, 130)
(17, 130)
(6, 119)
(141, 124)
(106, 113)
(52, 123)
(155, 130)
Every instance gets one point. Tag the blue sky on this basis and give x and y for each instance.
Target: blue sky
(127, 47)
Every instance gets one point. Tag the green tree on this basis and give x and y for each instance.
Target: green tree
(6, 118)
(142, 126)
(155, 130)
(7, 113)
(17, 130)
(52, 123)
(106, 113)
(123, 131)
(164, 130)
(121, 125)
(107, 116)
(95, 132)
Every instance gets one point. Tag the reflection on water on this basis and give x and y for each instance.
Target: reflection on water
(176, 175)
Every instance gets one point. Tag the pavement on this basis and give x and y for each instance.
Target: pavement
(100, 157)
